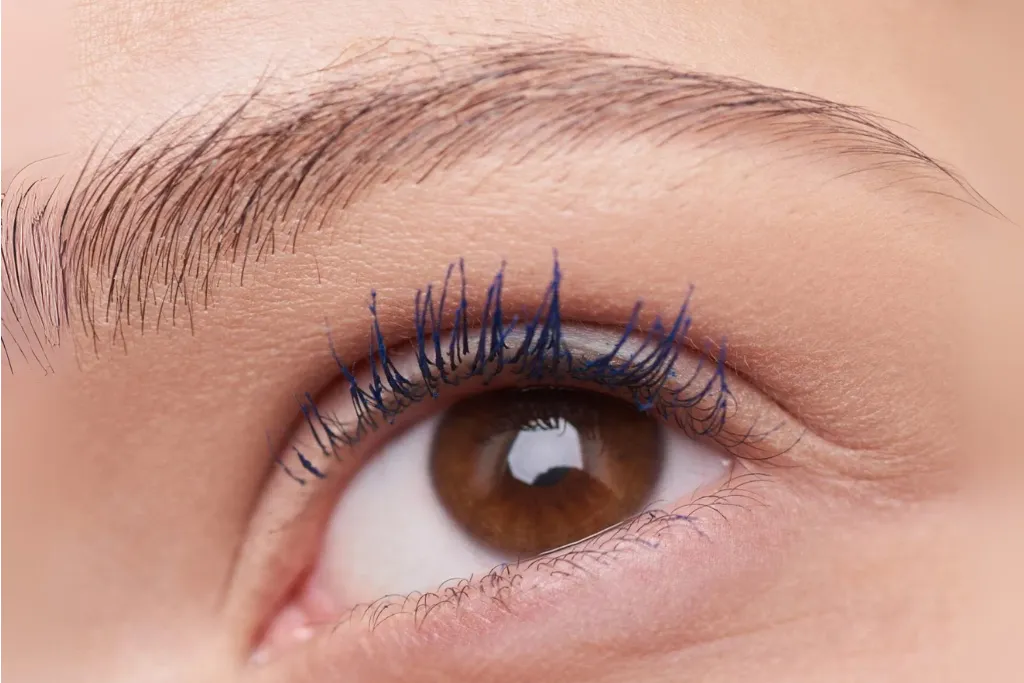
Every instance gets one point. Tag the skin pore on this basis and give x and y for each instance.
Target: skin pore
(149, 530)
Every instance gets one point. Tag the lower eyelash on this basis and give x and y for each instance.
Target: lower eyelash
(532, 347)
(499, 585)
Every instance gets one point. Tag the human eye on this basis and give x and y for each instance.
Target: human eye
(492, 456)
(718, 424)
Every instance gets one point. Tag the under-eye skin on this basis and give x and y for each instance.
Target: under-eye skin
(550, 439)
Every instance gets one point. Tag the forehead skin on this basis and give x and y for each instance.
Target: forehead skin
(120, 69)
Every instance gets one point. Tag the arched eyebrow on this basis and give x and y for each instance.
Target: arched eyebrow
(137, 236)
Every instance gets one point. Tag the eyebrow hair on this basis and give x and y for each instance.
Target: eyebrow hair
(137, 236)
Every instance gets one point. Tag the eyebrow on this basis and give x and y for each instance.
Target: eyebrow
(137, 237)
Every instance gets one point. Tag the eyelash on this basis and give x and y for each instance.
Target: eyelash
(699, 407)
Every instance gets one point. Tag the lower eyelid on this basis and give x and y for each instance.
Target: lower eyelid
(486, 606)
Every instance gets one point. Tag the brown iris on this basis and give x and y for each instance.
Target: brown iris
(528, 470)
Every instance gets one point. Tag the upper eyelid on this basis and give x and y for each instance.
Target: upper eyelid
(440, 358)
(122, 232)
(771, 419)
(700, 401)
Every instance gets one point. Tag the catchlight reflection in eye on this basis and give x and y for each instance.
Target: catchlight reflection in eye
(500, 476)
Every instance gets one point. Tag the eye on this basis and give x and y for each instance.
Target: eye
(499, 477)
(485, 444)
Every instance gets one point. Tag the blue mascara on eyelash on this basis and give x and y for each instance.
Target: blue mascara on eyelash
(541, 354)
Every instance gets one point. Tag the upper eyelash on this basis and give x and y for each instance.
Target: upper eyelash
(541, 354)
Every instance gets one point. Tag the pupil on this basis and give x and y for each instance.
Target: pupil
(552, 476)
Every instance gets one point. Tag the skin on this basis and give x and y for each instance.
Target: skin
(140, 501)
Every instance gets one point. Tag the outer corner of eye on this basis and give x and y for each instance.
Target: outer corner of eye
(500, 476)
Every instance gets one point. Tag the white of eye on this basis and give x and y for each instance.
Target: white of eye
(390, 533)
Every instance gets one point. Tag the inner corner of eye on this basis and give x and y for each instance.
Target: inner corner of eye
(499, 476)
